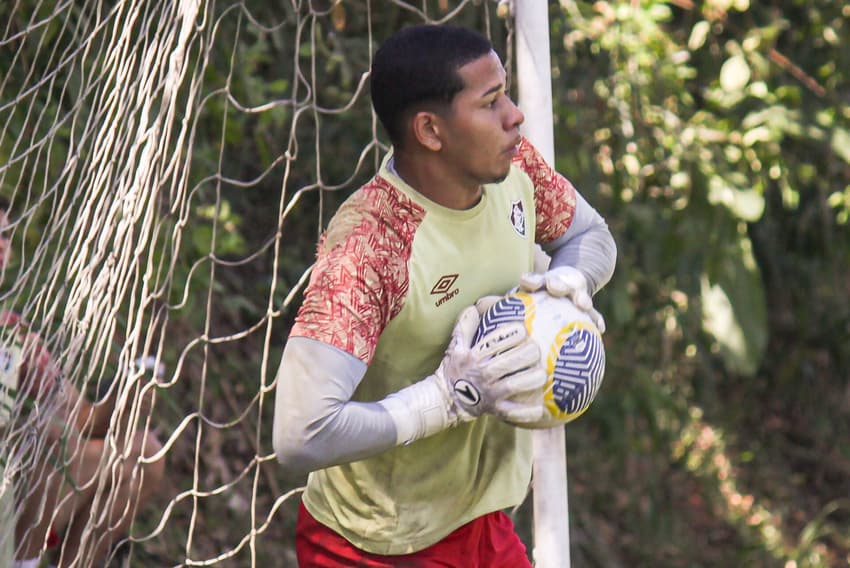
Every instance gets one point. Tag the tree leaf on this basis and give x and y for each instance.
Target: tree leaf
(698, 35)
(734, 74)
(734, 308)
(745, 203)
(841, 143)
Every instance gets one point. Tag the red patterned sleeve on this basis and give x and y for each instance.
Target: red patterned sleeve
(554, 195)
(360, 278)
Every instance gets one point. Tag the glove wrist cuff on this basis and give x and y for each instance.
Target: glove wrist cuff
(420, 410)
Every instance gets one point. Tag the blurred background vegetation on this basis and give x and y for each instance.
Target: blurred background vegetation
(714, 137)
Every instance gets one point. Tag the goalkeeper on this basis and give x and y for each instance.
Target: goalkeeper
(58, 475)
(380, 395)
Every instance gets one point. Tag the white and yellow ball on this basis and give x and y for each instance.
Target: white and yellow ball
(571, 347)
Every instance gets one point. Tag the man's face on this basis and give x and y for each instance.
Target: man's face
(482, 129)
(5, 249)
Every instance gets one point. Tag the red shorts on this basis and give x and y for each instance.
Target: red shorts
(487, 542)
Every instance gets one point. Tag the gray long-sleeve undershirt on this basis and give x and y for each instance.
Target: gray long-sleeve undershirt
(586, 245)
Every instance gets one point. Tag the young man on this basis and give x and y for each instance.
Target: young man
(58, 476)
(411, 457)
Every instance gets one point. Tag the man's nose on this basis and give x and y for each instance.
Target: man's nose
(515, 116)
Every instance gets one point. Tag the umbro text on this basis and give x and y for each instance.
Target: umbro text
(447, 297)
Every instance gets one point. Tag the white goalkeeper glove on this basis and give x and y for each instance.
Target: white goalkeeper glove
(564, 281)
(502, 375)
(491, 375)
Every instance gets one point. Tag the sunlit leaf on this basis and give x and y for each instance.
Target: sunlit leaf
(735, 73)
(746, 203)
(698, 35)
(758, 134)
(841, 143)
(631, 163)
(734, 309)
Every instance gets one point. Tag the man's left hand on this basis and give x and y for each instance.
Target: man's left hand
(564, 281)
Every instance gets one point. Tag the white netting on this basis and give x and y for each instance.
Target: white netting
(170, 165)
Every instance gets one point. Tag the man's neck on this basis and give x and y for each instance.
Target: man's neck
(436, 182)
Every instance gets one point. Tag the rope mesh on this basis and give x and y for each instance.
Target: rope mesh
(170, 165)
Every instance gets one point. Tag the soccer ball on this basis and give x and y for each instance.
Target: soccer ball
(571, 347)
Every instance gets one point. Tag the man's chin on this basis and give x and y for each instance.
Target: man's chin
(499, 179)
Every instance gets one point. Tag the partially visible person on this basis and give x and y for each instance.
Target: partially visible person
(56, 456)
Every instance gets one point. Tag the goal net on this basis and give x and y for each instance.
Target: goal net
(169, 166)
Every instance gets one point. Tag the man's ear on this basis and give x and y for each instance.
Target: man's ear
(425, 128)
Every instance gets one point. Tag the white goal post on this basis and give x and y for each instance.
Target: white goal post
(534, 82)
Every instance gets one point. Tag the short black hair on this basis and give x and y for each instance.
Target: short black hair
(418, 66)
(4, 203)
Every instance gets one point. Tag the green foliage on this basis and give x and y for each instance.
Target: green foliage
(717, 133)
(715, 139)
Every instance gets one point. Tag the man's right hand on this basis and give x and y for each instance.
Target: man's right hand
(502, 374)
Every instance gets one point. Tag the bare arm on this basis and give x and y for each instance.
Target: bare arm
(93, 419)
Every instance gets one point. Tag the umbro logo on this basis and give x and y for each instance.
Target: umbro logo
(445, 289)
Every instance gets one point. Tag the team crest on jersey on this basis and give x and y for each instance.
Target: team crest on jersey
(518, 217)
